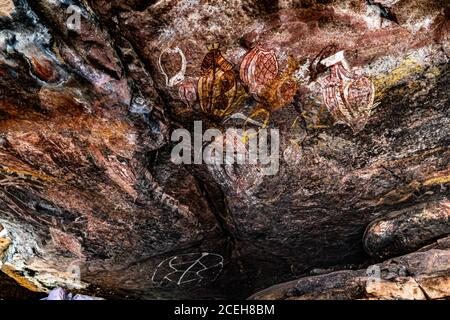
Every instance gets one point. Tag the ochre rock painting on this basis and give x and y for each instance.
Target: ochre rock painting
(259, 71)
(187, 92)
(178, 77)
(258, 68)
(353, 96)
(348, 97)
(280, 91)
(188, 270)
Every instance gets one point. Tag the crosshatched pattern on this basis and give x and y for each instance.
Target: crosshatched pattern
(266, 68)
(188, 269)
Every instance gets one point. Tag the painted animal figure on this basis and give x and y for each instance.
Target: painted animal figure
(187, 92)
(349, 98)
(179, 76)
(281, 90)
(217, 86)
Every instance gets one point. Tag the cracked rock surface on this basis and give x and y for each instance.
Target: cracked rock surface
(91, 92)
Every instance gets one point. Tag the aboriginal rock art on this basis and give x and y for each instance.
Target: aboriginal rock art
(187, 92)
(259, 71)
(316, 68)
(281, 90)
(234, 171)
(6, 7)
(217, 86)
(188, 269)
(179, 76)
(349, 98)
(164, 198)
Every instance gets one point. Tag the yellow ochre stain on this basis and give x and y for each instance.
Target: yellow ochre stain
(385, 82)
(405, 193)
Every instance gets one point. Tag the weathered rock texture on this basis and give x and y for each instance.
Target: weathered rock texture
(422, 275)
(86, 113)
(407, 230)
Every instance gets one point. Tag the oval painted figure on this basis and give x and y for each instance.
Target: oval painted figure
(281, 90)
(187, 92)
(177, 77)
(260, 73)
(349, 98)
(188, 269)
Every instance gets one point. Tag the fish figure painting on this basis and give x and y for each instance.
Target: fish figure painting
(349, 98)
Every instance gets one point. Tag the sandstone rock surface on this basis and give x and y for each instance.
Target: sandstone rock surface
(91, 91)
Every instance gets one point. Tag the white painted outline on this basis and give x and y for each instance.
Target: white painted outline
(187, 271)
(179, 76)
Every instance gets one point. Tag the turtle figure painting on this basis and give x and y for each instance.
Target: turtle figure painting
(196, 150)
